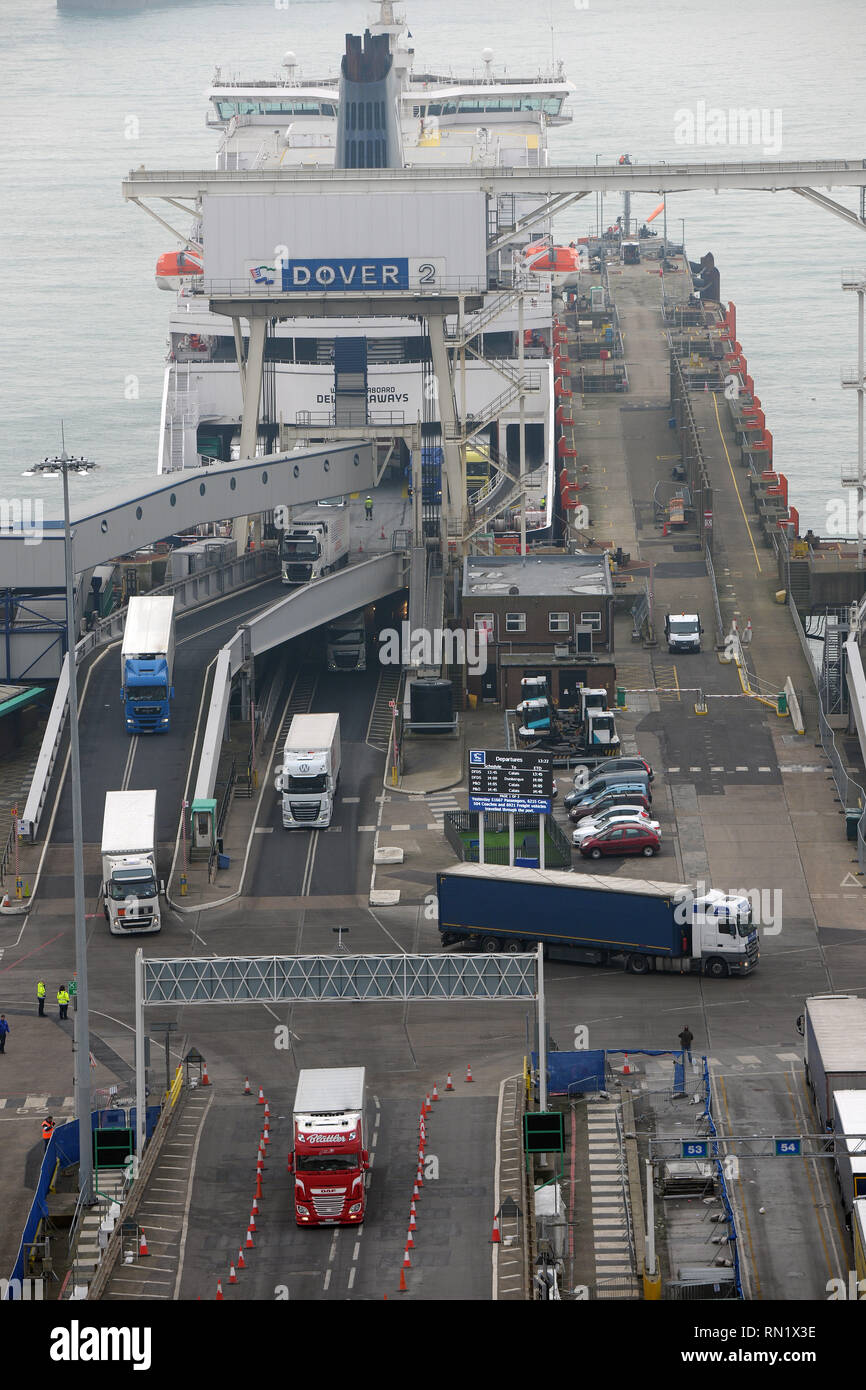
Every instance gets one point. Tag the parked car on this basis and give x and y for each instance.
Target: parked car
(629, 762)
(613, 778)
(621, 839)
(612, 796)
(616, 769)
(620, 815)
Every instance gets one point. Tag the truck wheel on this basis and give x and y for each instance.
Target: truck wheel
(716, 968)
(638, 965)
(490, 943)
(513, 948)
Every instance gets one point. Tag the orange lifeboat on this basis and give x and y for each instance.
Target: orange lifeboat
(558, 260)
(174, 266)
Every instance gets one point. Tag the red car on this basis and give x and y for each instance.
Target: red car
(621, 839)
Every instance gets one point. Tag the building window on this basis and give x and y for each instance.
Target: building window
(483, 622)
(592, 620)
(559, 622)
(515, 622)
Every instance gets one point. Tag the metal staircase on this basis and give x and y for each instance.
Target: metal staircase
(476, 323)
(494, 408)
(834, 693)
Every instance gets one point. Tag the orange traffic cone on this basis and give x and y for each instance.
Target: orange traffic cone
(415, 1193)
(242, 1264)
(360, 547)
(402, 1288)
(449, 1084)
(255, 1207)
(142, 1245)
(410, 1242)
(233, 1278)
(219, 1292)
(205, 1079)
(413, 1225)
(468, 1073)
(261, 1100)
(258, 1186)
(266, 1138)
(267, 1112)
(407, 1263)
(435, 1092)
(252, 1225)
(382, 534)
(495, 1238)
(247, 1088)
(249, 1241)
(626, 1071)
(427, 1106)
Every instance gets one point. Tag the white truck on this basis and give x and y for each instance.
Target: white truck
(834, 1027)
(130, 887)
(683, 632)
(147, 664)
(346, 642)
(315, 544)
(310, 771)
(849, 1146)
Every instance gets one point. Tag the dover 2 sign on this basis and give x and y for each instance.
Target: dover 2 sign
(510, 781)
(371, 273)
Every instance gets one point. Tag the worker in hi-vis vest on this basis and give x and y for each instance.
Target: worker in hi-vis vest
(40, 997)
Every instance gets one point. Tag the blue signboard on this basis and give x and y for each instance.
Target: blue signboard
(696, 1148)
(788, 1148)
(367, 273)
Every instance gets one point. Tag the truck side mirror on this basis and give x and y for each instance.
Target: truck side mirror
(278, 782)
(290, 1163)
(365, 1158)
(171, 689)
(162, 886)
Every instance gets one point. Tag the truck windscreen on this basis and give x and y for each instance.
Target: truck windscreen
(306, 549)
(344, 638)
(125, 886)
(147, 692)
(326, 1163)
(307, 784)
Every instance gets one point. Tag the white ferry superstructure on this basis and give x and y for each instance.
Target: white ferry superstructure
(486, 119)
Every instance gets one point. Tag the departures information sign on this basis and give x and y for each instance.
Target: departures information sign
(510, 781)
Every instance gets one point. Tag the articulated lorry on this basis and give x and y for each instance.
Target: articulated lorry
(346, 642)
(130, 887)
(310, 771)
(315, 544)
(147, 665)
(834, 1027)
(329, 1158)
(593, 920)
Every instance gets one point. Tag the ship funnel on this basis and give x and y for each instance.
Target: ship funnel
(369, 135)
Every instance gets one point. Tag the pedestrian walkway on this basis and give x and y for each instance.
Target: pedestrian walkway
(23, 1105)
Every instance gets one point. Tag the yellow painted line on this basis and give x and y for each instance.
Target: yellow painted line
(676, 682)
(734, 481)
(752, 1260)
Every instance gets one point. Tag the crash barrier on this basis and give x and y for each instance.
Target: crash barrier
(720, 631)
(723, 1185)
(62, 1152)
(572, 1073)
(188, 593)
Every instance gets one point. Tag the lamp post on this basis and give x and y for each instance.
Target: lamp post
(63, 464)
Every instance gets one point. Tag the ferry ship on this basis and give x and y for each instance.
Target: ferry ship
(290, 119)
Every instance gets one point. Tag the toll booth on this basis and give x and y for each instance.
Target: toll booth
(203, 828)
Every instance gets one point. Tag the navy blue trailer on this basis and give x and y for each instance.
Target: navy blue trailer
(639, 924)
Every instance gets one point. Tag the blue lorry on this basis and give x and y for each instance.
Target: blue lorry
(147, 665)
(593, 919)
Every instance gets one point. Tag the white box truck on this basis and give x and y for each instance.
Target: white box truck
(310, 771)
(147, 664)
(849, 1119)
(130, 886)
(315, 544)
(329, 1158)
(835, 1032)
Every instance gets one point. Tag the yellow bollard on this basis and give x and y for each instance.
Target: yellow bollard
(18, 888)
(652, 1287)
(183, 885)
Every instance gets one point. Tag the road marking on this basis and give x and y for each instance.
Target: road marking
(350, 800)
(352, 1273)
(327, 1278)
(734, 481)
(264, 830)
(365, 828)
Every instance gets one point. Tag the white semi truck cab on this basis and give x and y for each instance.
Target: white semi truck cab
(310, 771)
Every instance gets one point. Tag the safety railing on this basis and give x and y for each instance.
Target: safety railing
(723, 1186)
(720, 631)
